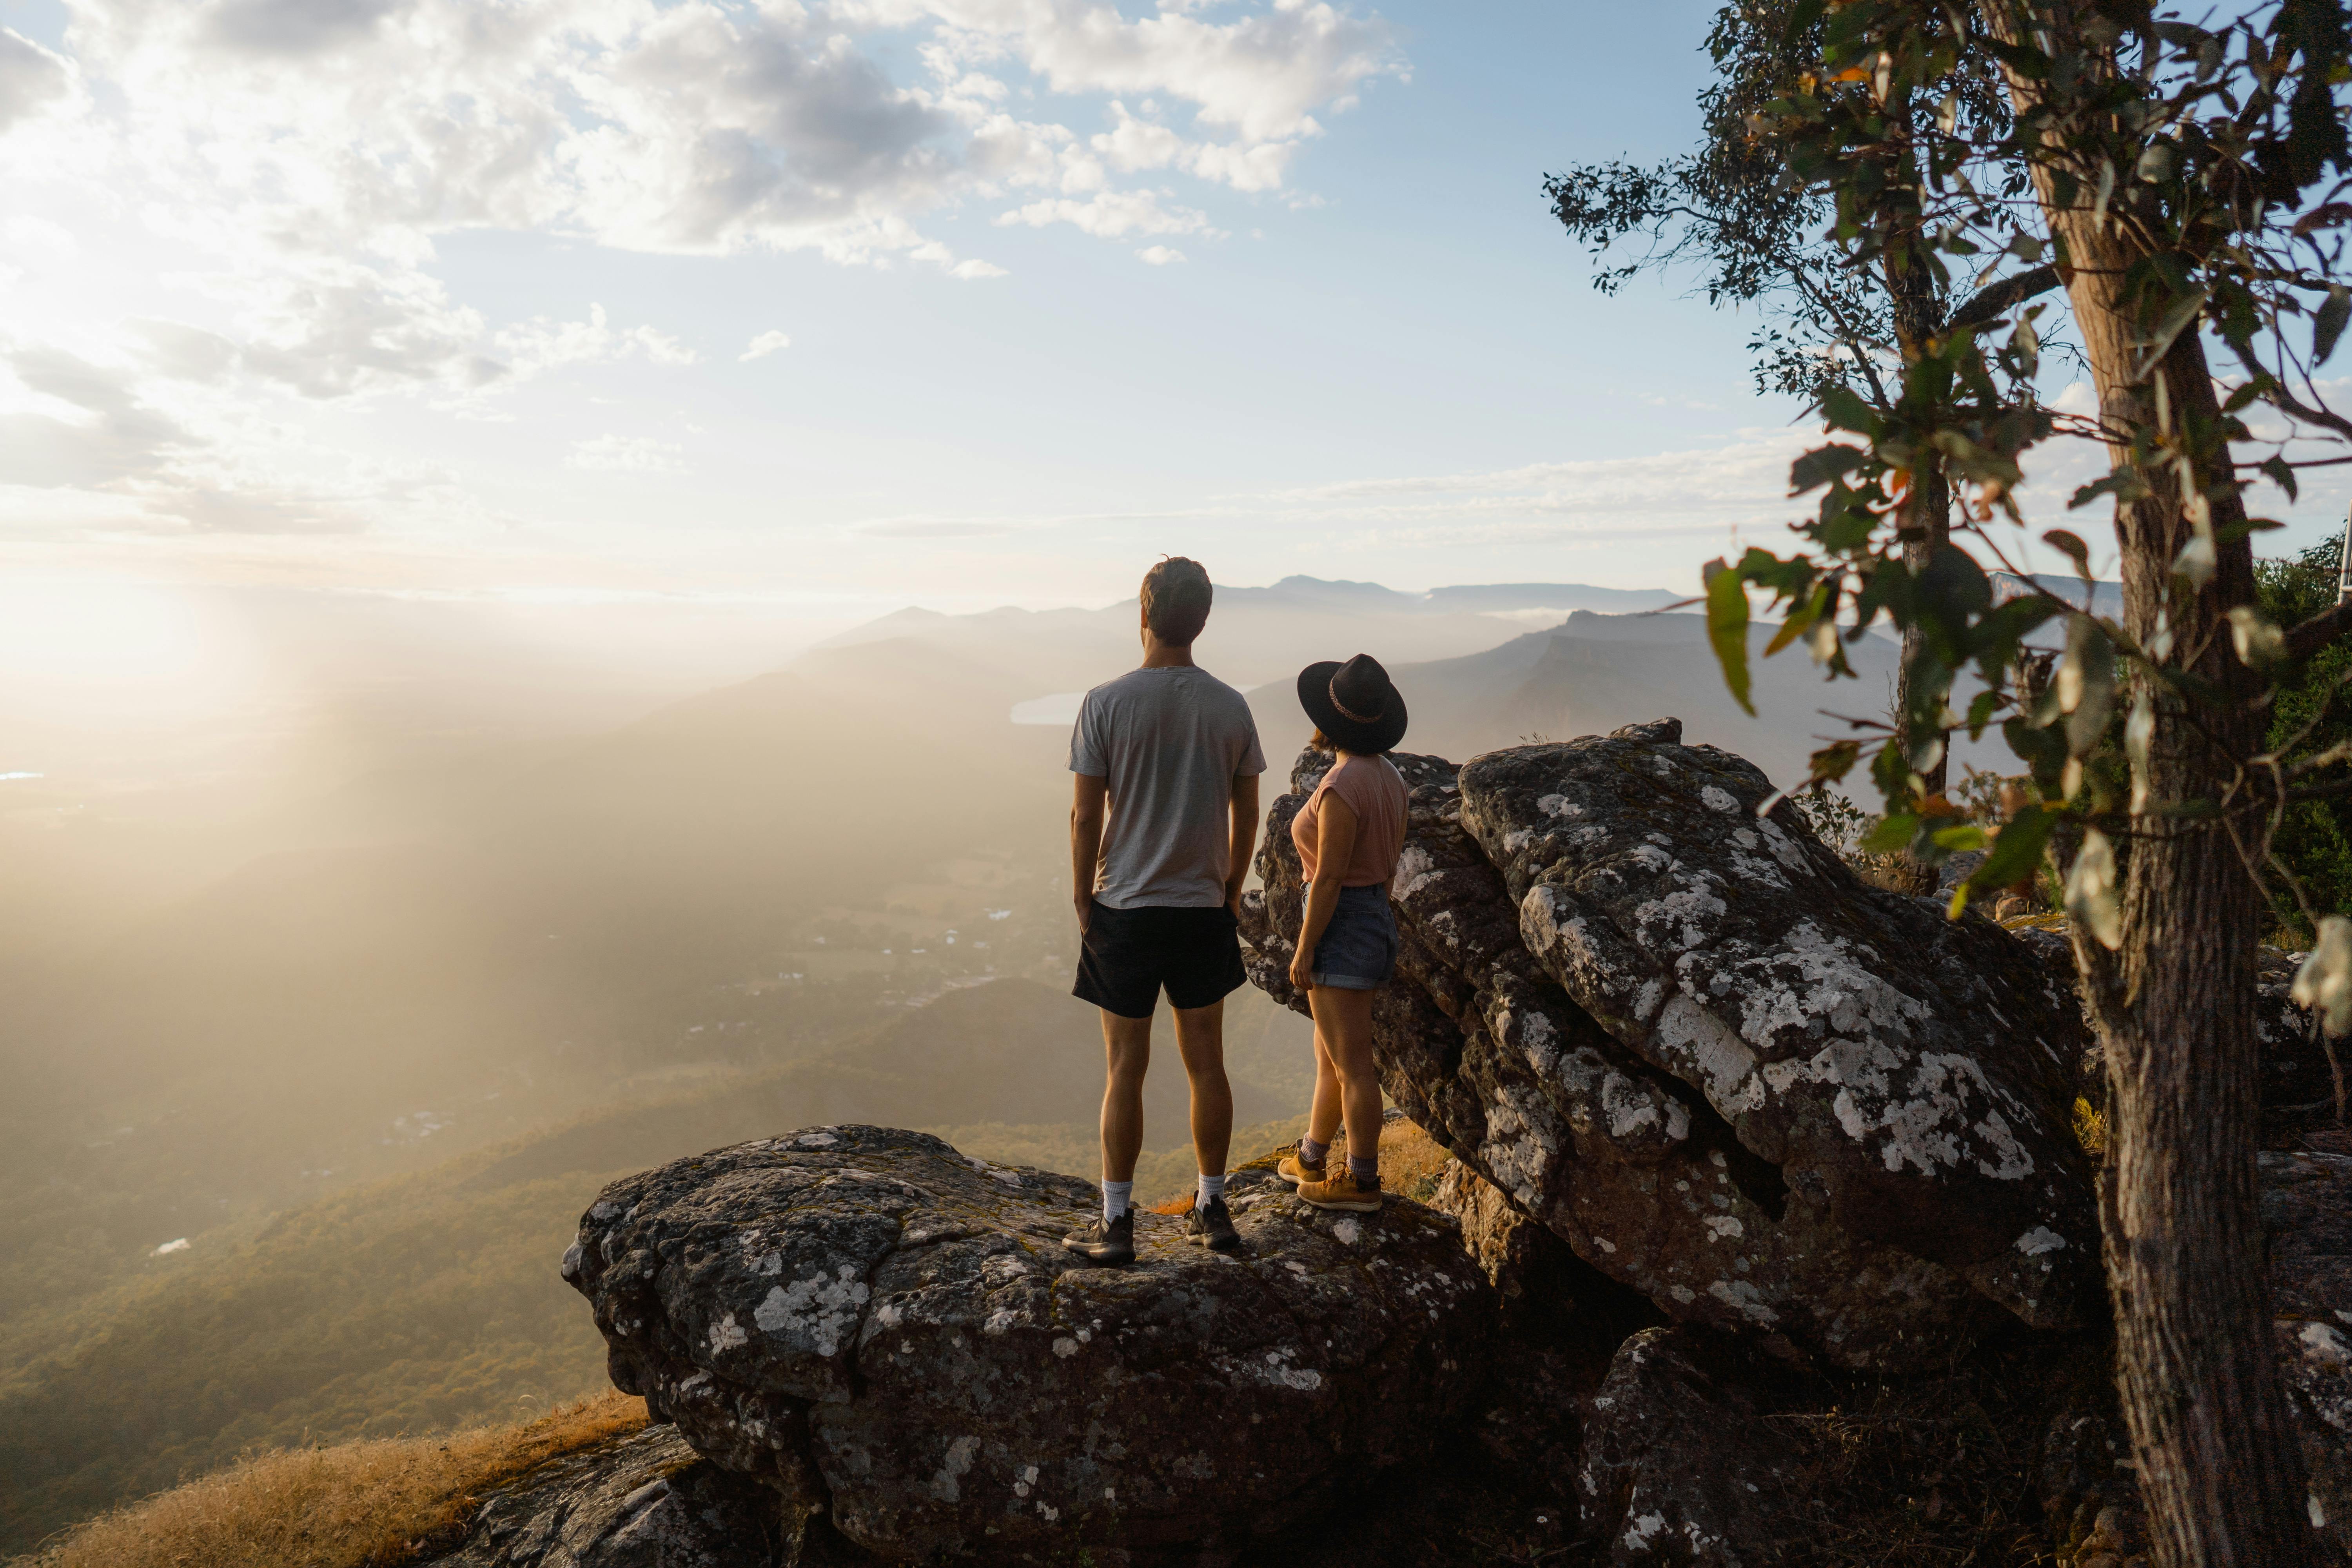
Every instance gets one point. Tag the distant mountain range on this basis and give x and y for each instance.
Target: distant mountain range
(1594, 672)
(2104, 598)
(1613, 657)
(1255, 635)
(1483, 599)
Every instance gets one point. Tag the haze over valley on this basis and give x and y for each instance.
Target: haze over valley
(312, 1065)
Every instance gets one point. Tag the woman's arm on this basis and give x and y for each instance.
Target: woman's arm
(1335, 841)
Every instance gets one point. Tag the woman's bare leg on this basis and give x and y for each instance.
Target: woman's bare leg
(1343, 1029)
(1323, 1113)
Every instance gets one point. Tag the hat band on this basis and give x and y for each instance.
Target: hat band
(1348, 713)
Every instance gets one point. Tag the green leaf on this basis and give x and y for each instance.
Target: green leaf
(2282, 474)
(1959, 840)
(2324, 983)
(2175, 319)
(2333, 313)
(1799, 620)
(1833, 762)
(2072, 547)
(1727, 629)
(1843, 409)
(1892, 836)
(2091, 891)
(1823, 465)
(2125, 484)
(2246, 397)
(1980, 711)
(2017, 851)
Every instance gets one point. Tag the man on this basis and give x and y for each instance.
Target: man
(1173, 754)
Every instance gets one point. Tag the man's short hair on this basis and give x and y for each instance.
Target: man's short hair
(1176, 594)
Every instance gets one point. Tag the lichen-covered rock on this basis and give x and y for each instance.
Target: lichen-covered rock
(1904, 1071)
(1679, 1465)
(2308, 1222)
(647, 1500)
(888, 1333)
(1590, 943)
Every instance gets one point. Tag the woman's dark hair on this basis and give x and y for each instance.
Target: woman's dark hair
(1322, 742)
(1176, 596)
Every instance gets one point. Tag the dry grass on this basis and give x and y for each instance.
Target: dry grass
(371, 1504)
(1932, 1475)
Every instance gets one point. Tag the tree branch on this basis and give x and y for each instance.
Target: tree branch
(1995, 297)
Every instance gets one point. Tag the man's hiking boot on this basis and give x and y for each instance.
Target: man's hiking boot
(1211, 1227)
(1297, 1172)
(1340, 1191)
(1104, 1241)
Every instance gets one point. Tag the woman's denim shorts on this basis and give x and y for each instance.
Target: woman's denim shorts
(1358, 948)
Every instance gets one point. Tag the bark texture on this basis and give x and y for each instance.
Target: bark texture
(2219, 1463)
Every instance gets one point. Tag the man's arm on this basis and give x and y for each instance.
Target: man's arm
(1087, 804)
(1245, 839)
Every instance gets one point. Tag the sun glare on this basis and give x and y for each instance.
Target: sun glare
(99, 653)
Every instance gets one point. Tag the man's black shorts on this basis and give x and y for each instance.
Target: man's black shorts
(1129, 955)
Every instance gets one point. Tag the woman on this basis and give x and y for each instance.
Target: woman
(1349, 834)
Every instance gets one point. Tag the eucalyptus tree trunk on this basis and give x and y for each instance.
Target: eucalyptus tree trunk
(2219, 1467)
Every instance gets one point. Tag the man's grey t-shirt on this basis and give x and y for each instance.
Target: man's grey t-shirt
(1170, 740)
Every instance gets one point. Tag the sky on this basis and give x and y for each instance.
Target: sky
(827, 307)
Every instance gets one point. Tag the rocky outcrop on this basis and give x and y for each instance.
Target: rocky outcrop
(1678, 1463)
(647, 1500)
(1704, 1053)
(888, 1335)
(1548, 1295)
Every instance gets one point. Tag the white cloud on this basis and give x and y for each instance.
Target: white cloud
(1111, 215)
(1160, 255)
(31, 78)
(765, 345)
(539, 344)
(285, 171)
(1261, 73)
(1133, 144)
(626, 454)
(1742, 483)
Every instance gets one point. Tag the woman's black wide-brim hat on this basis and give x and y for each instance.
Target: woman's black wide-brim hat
(1355, 704)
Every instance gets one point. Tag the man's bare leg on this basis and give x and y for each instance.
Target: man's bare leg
(1200, 1041)
(1127, 1057)
(1126, 1054)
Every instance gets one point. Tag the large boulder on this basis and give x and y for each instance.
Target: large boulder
(888, 1333)
(1728, 1072)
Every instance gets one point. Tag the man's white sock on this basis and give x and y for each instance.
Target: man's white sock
(1115, 1198)
(1212, 1189)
